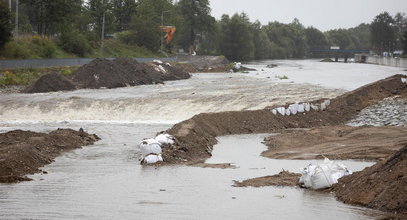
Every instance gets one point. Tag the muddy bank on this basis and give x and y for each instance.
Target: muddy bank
(382, 186)
(284, 178)
(196, 136)
(337, 142)
(103, 73)
(24, 152)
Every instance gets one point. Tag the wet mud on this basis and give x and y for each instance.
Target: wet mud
(24, 152)
(196, 136)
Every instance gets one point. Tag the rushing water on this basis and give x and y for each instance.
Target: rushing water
(105, 180)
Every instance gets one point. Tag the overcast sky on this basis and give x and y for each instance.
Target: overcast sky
(321, 14)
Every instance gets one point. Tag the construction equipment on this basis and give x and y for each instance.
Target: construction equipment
(169, 33)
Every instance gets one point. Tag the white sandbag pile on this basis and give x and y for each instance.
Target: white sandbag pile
(296, 108)
(324, 175)
(151, 148)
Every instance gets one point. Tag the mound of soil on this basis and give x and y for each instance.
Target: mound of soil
(24, 152)
(104, 73)
(284, 178)
(196, 136)
(382, 186)
(337, 142)
(50, 83)
(327, 60)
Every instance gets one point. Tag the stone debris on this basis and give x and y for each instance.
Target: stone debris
(388, 112)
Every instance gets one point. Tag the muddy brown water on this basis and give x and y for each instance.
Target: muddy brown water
(105, 180)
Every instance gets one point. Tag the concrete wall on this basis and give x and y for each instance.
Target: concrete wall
(387, 61)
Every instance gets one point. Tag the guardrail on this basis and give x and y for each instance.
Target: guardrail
(11, 64)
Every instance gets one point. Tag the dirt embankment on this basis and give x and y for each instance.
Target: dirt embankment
(103, 73)
(382, 186)
(24, 152)
(196, 136)
(284, 178)
(337, 142)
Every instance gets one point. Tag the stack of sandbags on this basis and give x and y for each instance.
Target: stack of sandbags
(295, 108)
(151, 148)
(324, 175)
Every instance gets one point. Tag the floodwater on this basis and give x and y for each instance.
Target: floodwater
(105, 180)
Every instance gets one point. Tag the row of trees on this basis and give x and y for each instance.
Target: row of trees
(78, 25)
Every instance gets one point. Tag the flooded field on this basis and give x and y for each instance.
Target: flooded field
(105, 180)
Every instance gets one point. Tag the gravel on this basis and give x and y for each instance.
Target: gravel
(388, 112)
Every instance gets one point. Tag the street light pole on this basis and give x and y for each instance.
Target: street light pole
(103, 24)
(16, 28)
(162, 24)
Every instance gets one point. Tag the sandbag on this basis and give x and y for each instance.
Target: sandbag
(152, 158)
(165, 139)
(150, 146)
(293, 108)
(300, 108)
(324, 175)
(307, 107)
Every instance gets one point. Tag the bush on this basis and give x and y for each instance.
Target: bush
(16, 50)
(75, 42)
(46, 47)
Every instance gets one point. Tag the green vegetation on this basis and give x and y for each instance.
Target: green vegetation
(74, 28)
(281, 77)
(5, 25)
(24, 76)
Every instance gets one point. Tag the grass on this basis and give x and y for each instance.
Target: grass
(282, 77)
(36, 47)
(114, 48)
(24, 76)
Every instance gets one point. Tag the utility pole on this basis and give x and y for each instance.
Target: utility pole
(9, 4)
(162, 24)
(16, 28)
(161, 38)
(103, 23)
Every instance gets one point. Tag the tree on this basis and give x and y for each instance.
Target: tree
(237, 38)
(5, 25)
(123, 10)
(404, 42)
(363, 35)
(197, 18)
(145, 25)
(49, 16)
(262, 44)
(383, 31)
(315, 38)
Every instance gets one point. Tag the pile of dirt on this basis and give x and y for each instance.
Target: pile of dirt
(284, 178)
(337, 142)
(327, 60)
(50, 83)
(196, 136)
(104, 73)
(24, 152)
(382, 186)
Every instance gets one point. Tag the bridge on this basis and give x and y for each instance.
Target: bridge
(336, 52)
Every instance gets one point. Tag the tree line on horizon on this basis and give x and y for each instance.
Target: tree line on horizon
(77, 27)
